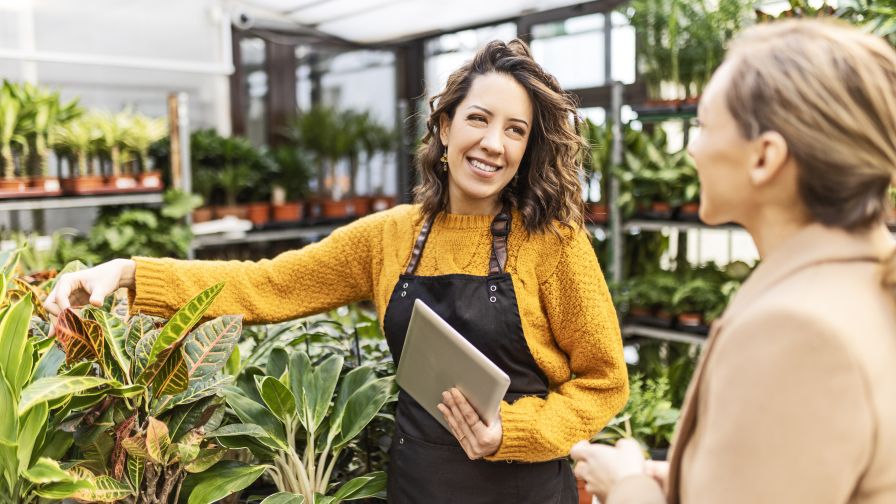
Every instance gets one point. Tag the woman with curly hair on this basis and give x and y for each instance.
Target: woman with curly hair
(495, 244)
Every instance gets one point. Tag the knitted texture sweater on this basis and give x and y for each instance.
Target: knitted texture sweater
(568, 318)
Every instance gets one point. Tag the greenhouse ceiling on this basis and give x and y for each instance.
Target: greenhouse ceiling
(378, 21)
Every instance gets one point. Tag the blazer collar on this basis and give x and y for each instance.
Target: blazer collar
(813, 244)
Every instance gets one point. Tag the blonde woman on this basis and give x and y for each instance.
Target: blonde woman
(795, 398)
(496, 245)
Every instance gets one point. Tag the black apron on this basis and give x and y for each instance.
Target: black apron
(426, 463)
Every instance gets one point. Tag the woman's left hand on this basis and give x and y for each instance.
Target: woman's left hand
(601, 466)
(477, 438)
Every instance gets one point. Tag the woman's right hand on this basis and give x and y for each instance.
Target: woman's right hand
(91, 285)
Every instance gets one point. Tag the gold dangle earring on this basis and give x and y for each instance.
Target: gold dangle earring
(444, 160)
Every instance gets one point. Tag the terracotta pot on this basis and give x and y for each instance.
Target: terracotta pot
(660, 207)
(203, 214)
(259, 213)
(639, 311)
(380, 203)
(85, 184)
(335, 209)
(150, 180)
(45, 184)
(238, 211)
(584, 496)
(315, 206)
(665, 315)
(597, 213)
(690, 319)
(122, 182)
(12, 185)
(288, 212)
(692, 208)
(359, 206)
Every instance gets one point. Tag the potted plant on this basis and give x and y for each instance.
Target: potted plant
(300, 418)
(46, 111)
(377, 140)
(75, 140)
(111, 129)
(204, 180)
(321, 131)
(141, 134)
(11, 136)
(292, 172)
(596, 164)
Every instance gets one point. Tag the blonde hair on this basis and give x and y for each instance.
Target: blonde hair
(830, 90)
(548, 189)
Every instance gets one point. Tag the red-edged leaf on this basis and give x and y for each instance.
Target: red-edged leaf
(167, 374)
(81, 339)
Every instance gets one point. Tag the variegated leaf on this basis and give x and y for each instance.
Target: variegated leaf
(138, 326)
(105, 489)
(158, 444)
(195, 390)
(114, 340)
(207, 348)
(136, 468)
(136, 446)
(54, 387)
(167, 374)
(142, 349)
(185, 319)
(80, 338)
(37, 297)
(206, 458)
(186, 453)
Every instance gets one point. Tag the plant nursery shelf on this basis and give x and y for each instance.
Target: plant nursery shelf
(663, 334)
(307, 233)
(80, 201)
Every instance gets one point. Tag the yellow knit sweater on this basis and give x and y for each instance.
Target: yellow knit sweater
(568, 318)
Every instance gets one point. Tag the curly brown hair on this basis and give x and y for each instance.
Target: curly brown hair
(549, 189)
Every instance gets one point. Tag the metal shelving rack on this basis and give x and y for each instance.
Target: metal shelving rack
(63, 202)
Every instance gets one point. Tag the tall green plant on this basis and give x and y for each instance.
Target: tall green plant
(300, 417)
(10, 129)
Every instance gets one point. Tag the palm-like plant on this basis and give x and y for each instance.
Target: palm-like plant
(10, 116)
(46, 111)
(77, 138)
(112, 130)
(142, 132)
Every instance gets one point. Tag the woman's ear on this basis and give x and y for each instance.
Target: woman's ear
(770, 157)
(444, 127)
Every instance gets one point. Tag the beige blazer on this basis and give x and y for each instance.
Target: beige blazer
(794, 399)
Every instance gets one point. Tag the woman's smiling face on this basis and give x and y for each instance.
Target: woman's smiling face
(486, 140)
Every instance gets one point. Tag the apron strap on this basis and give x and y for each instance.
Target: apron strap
(500, 228)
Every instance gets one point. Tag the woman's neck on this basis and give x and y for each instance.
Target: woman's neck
(774, 226)
(477, 207)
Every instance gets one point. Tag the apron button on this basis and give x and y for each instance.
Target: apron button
(493, 299)
(405, 286)
(494, 288)
(401, 440)
(403, 293)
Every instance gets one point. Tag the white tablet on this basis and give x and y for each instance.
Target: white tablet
(436, 358)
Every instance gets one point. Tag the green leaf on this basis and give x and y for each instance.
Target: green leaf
(278, 398)
(232, 367)
(223, 479)
(14, 363)
(326, 376)
(261, 451)
(206, 458)
(31, 428)
(277, 362)
(351, 382)
(300, 378)
(207, 348)
(362, 406)
(251, 412)
(158, 444)
(284, 498)
(47, 470)
(136, 469)
(64, 490)
(137, 328)
(186, 417)
(362, 487)
(49, 363)
(185, 319)
(54, 387)
(136, 446)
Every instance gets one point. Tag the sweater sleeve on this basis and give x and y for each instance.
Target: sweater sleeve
(318, 277)
(583, 322)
